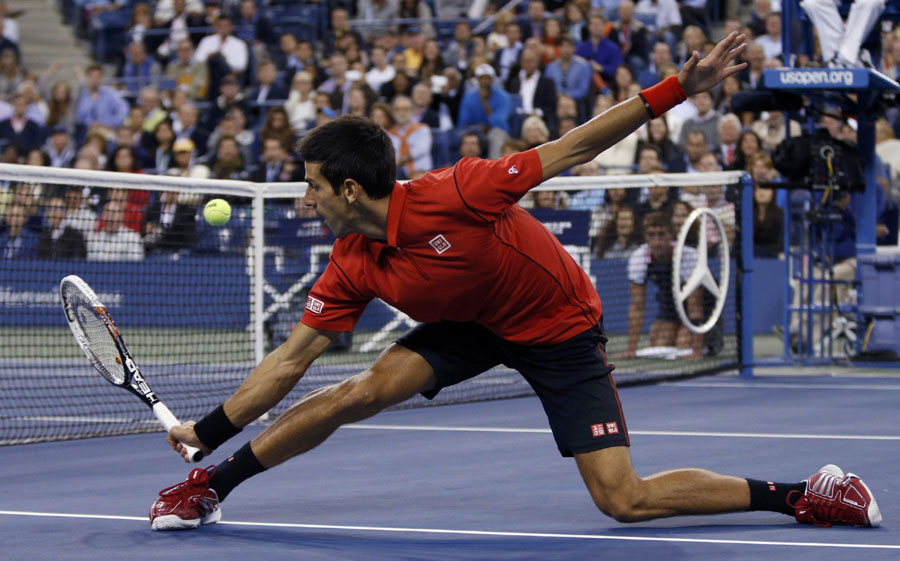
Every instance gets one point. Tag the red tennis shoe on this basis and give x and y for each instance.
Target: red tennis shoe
(834, 498)
(187, 505)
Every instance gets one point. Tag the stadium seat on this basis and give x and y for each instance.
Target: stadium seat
(304, 20)
(441, 143)
(110, 30)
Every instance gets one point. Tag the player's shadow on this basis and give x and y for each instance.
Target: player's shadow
(312, 544)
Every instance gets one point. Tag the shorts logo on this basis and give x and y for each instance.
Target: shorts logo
(513, 170)
(612, 428)
(314, 305)
(439, 243)
(597, 430)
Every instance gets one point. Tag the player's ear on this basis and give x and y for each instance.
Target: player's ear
(351, 190)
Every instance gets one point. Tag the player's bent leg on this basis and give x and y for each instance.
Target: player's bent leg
(397, 374)
(623, 495)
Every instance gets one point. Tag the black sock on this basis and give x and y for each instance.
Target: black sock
(775, 497)
(233, 471)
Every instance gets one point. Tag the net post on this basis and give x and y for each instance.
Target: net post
(866, 210)
(745, 356)
(258, 229)
(787, 294)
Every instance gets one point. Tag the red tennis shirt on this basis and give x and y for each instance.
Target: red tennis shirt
(459, 249)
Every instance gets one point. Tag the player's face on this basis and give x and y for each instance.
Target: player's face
(321, 198)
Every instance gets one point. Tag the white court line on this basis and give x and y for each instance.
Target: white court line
(393, 529)
(374, 426)
(784, 386)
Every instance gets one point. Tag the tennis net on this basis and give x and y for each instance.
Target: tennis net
(199, 306)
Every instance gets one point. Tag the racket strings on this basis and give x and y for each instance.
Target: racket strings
(99, 341)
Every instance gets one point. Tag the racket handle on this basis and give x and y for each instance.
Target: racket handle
(169, 420)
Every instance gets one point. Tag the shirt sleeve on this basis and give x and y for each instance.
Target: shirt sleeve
(688, 262)
(637, 265)
(581, 81)
(490, 186)
(335, 301)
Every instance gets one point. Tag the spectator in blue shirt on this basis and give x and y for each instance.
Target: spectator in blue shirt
(140, 70)
(488, 109)
(571, 74)
(604, 55)
(659, 57)
(17, 241)
(99, 104)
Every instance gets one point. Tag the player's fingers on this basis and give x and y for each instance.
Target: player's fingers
(731, 70)
(723, 46)
(181, 450)
(736, 52)
(692, 62)
(728, 43)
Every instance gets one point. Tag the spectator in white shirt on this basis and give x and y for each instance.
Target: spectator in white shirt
(222, 41)
(658, 15)
(114, 242)
(300, 104)
(165, 9)
(9, 27)
(771, 41)
(381, 72)
(78, 214)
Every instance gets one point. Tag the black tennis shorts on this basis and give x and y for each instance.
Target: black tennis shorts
(572, 378)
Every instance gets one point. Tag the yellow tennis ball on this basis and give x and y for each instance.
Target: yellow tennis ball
(217, 212)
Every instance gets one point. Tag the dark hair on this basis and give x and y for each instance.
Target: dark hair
(658, 219)
(352, 147)
(111, 162)
(654, 148)
(611, 232)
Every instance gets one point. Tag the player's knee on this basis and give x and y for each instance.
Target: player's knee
(619, 506)
(362, 396)
(619, 502)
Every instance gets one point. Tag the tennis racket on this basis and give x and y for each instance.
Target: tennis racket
(99, 338)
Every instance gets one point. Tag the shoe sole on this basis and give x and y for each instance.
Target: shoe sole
(173, 522)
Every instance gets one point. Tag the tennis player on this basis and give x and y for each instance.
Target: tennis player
(491, 286)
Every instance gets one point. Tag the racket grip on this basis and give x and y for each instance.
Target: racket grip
(169, 420)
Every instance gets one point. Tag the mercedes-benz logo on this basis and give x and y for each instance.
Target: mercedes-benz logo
(701, 274)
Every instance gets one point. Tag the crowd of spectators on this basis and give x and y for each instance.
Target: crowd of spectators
(215, 89)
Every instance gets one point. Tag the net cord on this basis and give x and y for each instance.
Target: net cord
(114, 180)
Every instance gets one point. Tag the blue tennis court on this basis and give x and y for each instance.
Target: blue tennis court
(478, 481)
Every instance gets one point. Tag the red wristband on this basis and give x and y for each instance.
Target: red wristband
(663, 96)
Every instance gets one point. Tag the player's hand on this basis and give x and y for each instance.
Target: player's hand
(185, 433)
(700, 75)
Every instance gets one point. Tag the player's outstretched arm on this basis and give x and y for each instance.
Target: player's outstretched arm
(583, 144)
(269, 382)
